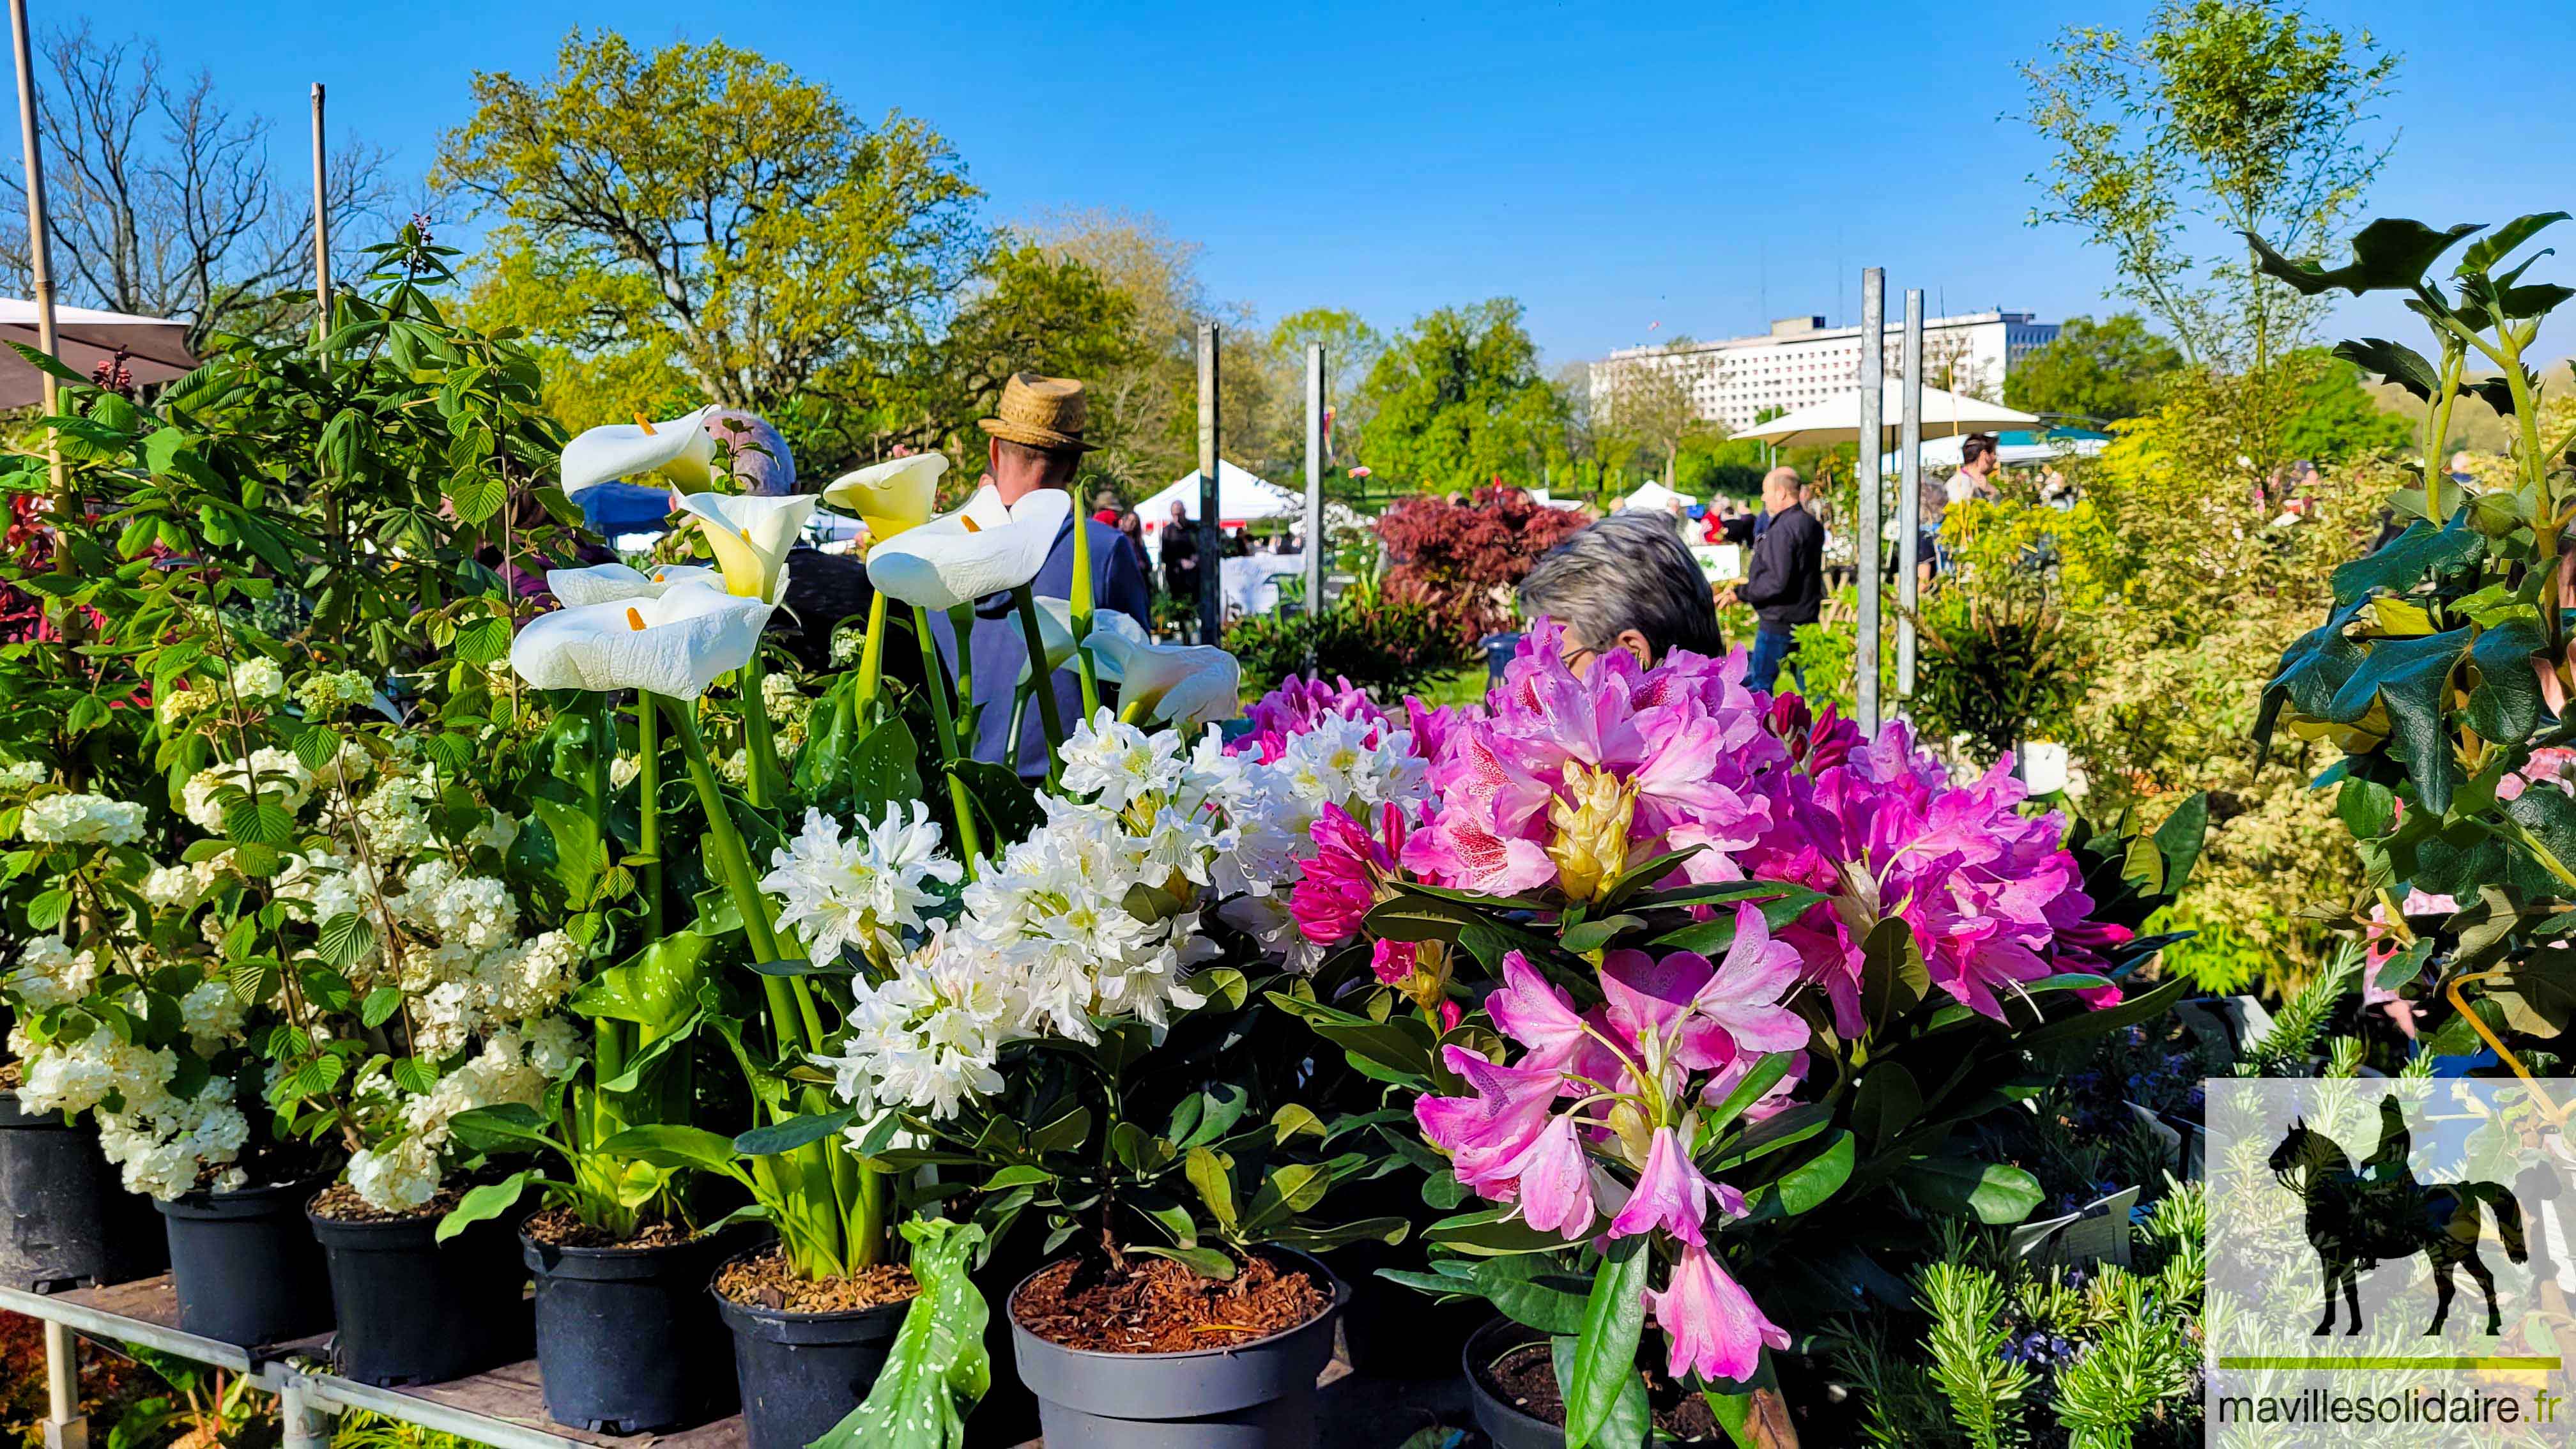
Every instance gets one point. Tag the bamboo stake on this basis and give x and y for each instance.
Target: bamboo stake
(321, 229)
(40, 270)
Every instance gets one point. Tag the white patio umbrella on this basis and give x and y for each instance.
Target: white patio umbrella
(1837, 419)
(85, 337)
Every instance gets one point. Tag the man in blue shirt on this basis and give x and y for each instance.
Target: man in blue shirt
(1037, 443)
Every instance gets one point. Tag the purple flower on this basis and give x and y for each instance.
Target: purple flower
(1741, 999)
(1670, 1193)
(1711, 1326)
(1294, 708)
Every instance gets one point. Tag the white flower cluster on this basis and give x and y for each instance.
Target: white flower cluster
(19, 776)
(329, 694)
(51, 974)
(403, 1171)
(259, 678)
(281, 776)
(81, 820)
(1357, 764)
(162, 1143)
(925, 1037)
(864, 891)
(1096, 912)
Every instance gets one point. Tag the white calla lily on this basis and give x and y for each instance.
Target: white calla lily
(675, 645)
(1055, 628)
(609, 583)
(680, 450)
(751, 537)
(987, 547)
(1187, 686)
(892, 497)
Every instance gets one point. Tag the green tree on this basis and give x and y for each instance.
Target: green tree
(701, 219)
(2101, 371)
(2225, 117)
(1457, 400)
(2338, 420)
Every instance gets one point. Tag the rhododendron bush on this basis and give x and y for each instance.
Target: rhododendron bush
(1674, 974)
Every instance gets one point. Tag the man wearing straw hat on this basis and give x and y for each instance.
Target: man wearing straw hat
(1036, 442)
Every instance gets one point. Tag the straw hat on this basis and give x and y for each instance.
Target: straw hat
(1040, 412)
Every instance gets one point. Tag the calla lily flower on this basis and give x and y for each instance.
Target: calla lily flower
(1055, 630)
(751, 537)
(674, 645)
(987, 547)
(895, 496)
(1187, 686)
(679, 450)
(609, 583)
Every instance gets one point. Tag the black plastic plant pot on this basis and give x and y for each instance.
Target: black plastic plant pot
(65, 1219)
(245, 1266)
(802, 1373)
(627, 1342)
(413, 1310)
(1257, 1395)
(1504, 1426)
(1395, 1332)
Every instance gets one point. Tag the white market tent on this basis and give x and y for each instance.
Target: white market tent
(2013, 449)
(1241, 497)
(1837, 419)
(1657, 498)
(85, 337)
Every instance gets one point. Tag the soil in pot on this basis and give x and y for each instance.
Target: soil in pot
(627, 1340)
(806, 1352)
(1159, 1305)
(411, 1309)
(1525, 1378)
(1148, 1352)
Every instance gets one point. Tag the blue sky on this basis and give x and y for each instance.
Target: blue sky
(1613, 166)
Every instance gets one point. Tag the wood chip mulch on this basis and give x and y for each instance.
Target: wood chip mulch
(561, 1227)
(1157, 1305)
(765, 1280)
(341, 1204)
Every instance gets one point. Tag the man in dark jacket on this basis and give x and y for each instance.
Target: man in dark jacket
(1785, 582)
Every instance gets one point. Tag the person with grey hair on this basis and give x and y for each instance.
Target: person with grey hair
(1627, 582)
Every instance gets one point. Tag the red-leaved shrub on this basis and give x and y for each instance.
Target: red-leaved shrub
(1462, 555)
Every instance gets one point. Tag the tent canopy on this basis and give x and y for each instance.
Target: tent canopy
(1837, 419)
(85, 337)
(2012, 448)
(1658, 498)
(1241, 497)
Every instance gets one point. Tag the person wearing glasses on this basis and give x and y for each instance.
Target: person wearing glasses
(1627, 582)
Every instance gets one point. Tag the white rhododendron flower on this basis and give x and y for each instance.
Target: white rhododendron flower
(925, 1038)
(864, 891)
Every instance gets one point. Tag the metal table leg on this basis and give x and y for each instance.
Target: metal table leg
(65, 1426)
(306, 1423)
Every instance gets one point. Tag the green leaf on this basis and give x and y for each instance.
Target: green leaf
(937, 1370)
(2091, 1023)
(1605, 1354)
(579, 854)
(2496, 245)
(1886, 1104)
(1213, 1176)
(1402, 1043)
(1811, 1183)
(670, 1144)
(2421, 552)
(793, 1133)
(1492, 1232)
(656, 988)
(1531, 1289)
(1893, 978)
(1286, 1193)
(2394, 361)
(380, 1005)
(2505, 702)
(484, 1203)
(1210, 1263)
(1593, 935)
(509, 1127)
(1761, 1079)
(1008, 804)
(1018, 1174)
(1963, 1187)
(2390, 254)
(344, 940)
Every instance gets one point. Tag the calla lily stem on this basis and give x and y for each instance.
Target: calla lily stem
(1043, 685)
(872, 658)
(946, 722)
(760, 745)
(1082, 605)
(648, 785)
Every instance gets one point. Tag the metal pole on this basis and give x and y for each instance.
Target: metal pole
(40, 266)
(1211, 535)
(65, 1426)
(302, 1420)
(321, 229)
(1314, 481)
(1866, 474)
(1909, 492)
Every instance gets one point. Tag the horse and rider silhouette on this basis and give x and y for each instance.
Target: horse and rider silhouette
(2357, 1219)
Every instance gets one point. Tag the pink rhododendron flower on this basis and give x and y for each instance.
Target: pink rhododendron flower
(1711, 1326)
(1670, 1193)
(1485, 1133)
(1555, 1180)
(1341, 882)
(1538, 1016)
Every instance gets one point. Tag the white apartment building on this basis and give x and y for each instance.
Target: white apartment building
(1802, 361)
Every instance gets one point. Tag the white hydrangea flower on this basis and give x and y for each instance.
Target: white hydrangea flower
(395, 1177)
(865, 891)
(164, 1144)
(76, 1076)
(927, 1037)
(82, 820)
(281, 777)
(18, 776)
(258, 678)
(212, 1015)
(50, 974)
(328, 694)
